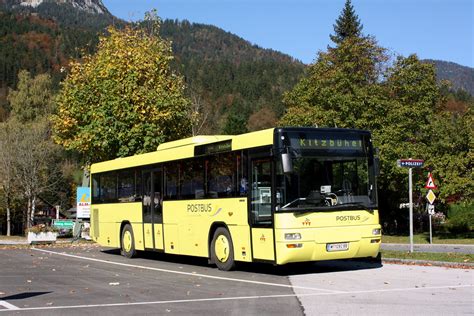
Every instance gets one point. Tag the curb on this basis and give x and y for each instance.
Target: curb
(438, 248)
(26, 243)
(445, 264)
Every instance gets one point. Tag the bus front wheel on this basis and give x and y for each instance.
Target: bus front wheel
(127, 242)
(222, 250)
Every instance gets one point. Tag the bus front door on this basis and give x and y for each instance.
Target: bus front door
(153, 209)
(261, 217)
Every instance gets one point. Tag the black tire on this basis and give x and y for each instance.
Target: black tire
(226, 261)
(377, 260)
(127, 242)
(374, 261)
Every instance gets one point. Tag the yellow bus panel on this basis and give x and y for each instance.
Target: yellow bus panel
(107, 220)
(171, 238)
(262, 242)
(241, 241)
(138, 235)
(148, 230)
(158, 236)
(187, 223)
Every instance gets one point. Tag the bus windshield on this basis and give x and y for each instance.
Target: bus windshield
(333, 178)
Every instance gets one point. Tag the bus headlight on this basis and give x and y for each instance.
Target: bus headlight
(376, 231)
(292, 236)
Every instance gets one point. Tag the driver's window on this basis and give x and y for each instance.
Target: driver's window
(261, 192)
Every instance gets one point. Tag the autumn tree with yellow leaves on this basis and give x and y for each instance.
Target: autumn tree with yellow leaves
(124, 99)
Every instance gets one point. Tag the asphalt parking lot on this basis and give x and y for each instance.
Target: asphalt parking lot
(87, 279)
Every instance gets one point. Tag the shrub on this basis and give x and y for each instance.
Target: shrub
(41, 228)
(460, 218)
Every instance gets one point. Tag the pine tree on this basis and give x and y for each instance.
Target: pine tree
(347, 24)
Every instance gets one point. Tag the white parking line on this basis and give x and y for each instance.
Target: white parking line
(8, 306)
(187, 273)
(238, 298)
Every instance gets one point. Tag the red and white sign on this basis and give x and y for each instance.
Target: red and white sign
(430, 183)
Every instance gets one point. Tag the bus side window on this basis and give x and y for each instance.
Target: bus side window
(126, 184)
(192, 179)
(95, 189)
(108, 187)
(221, 175)
(242, 174)
(138, 184)
(171, 181)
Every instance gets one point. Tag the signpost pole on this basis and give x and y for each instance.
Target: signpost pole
(431, 198)
(431, 234)
(410, 164)
(410, 198)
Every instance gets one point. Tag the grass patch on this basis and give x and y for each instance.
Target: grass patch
(466, 239)
(430, 256)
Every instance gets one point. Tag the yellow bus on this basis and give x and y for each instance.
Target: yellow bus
(279, 195)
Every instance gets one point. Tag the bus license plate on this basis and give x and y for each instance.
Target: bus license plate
(343, 246)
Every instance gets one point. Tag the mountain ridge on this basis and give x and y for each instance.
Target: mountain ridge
(90, 6)
(461, 77)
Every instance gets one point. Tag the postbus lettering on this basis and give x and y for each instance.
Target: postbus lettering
(199, 207)
(346, 218)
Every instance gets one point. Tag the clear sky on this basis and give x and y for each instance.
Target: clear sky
(433, 29)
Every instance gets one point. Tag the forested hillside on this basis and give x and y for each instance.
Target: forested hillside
(235, 80)
(461, 77)
(44, 40)
(237, 86)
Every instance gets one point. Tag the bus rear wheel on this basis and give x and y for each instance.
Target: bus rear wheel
(127, 242)
(222, 250)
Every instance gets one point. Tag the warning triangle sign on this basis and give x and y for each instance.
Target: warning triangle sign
(430, 183)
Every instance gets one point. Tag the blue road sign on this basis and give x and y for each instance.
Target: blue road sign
(410, 163)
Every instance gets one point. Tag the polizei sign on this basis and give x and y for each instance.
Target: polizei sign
(410, 163)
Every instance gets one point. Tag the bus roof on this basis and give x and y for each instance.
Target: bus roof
(184, 148)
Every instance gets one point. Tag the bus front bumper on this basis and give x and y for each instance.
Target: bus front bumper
(340, 246)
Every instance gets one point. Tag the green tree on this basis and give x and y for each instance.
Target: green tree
(122, 100)
(8, 183)
(352, 86)
(37, 170)
(405, 130)
(32, 97)
(451, 155)
(27, 169)
(347, 24)
(341, 89)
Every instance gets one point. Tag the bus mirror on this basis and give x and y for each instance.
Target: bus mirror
(287, 163)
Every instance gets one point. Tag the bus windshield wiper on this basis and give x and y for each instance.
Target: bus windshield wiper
(295, 200)
(304, 209)
(362, 205)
